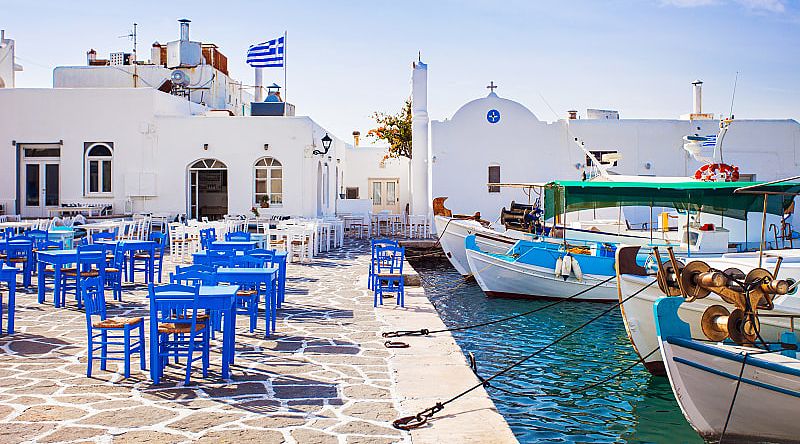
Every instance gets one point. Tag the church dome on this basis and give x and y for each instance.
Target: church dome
(494, 109)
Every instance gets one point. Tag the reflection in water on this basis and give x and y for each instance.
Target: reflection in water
(544, 406)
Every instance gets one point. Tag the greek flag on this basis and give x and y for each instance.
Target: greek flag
(711, 140)
(267, 54)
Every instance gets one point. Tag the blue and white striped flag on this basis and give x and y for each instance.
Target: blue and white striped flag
(267, 54)
(711, 140)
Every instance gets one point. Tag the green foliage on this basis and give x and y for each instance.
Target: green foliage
(395, 129)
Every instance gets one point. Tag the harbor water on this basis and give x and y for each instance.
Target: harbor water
(542, 400)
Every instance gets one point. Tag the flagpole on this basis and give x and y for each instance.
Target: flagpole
(285, 91)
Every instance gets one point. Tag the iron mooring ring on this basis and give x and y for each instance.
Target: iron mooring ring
(395, 344)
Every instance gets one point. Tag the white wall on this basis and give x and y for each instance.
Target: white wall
(364, 163)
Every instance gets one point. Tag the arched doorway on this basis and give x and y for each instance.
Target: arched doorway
(208, 189)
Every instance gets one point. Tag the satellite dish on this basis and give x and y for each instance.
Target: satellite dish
(180, 78)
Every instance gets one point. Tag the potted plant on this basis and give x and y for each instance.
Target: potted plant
(264, 201)
(254, 210)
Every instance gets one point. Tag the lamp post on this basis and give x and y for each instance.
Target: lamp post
(326, 144)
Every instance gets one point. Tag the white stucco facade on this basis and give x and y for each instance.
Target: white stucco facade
(366, 165)
(155, 138)
(529, 150)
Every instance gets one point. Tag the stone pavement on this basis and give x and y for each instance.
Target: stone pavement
(324, 376)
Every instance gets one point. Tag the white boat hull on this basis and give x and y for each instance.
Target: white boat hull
(452, 233)
(704, 381)
(500, 278)
(637, 314)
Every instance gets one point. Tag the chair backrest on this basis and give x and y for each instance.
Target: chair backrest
(94, 299)
(249, 261)
(241, 236)
(50, 245)
(195, 267)
(378, 243)
(181, 299)
(193, 278)
(85, 261)
(160, 239)
(219, 258)
(19, 249)
(103, 236)
(390, 259)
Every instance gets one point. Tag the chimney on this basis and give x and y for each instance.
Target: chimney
(91, 56)
(184, 29)
(2, 34)
(697, 104)
(356, 135)
(573, 115)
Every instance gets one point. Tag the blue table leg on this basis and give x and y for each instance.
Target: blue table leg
(12, 298)
(151, 265)
(228, 341)
(41, 284)
(282, 281)
(57, 285)
(155, 363)
(276, 301)
(130, 267)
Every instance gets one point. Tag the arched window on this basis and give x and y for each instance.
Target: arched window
(97, 170)
(268, 187)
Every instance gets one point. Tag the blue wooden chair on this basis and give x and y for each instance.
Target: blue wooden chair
(237, 236)
(178, 331)
(115, 270)
(104, 331)
(21, 254)
(374, 245)
(207, 237)
(192, 278)
(389, 274)
(90, 262)
(219, 258)
(143, 257)
(250, 261)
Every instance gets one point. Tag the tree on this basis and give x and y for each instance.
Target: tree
(394, 129)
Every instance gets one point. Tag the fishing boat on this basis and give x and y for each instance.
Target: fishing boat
(637, 299)
(545, 270)
(560, 267)
(730, 384)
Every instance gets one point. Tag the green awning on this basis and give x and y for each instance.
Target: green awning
(708, 197)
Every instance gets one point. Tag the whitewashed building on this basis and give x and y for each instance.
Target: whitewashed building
(168, 145)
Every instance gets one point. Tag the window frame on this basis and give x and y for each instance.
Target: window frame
(271, 164)
(493, 189)
(101, 161)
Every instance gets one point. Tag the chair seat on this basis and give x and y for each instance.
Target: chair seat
(388, 275)
(18, 260)
(112, 270)
(170, 328)
(91, 273)
(141, 256)
(117, 322)
(246, 292)
(66, 269)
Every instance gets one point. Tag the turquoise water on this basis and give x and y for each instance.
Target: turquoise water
(635, 407)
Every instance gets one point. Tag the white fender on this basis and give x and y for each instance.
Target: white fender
(559, 264)
(576, 269)
(566, 267)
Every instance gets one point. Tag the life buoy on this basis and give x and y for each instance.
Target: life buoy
(713, 172)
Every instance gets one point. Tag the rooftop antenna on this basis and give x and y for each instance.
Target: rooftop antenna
(132, 35)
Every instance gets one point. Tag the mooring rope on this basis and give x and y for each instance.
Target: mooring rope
(426, 332)
(428, 251)
(421, 418)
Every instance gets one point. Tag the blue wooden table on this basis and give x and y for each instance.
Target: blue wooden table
(131, 246)
(279, 259)
(58, 259)
(233, 245)
(219, 298)
(9, 276)
(256, 276)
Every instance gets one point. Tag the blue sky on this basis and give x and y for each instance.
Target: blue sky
(347, 59)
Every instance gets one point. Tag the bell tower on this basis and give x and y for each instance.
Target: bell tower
(420, 164)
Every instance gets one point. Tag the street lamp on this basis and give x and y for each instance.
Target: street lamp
(326, 144)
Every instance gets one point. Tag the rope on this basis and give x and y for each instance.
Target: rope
(425, 332)
(428, 251)
(414, 421)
